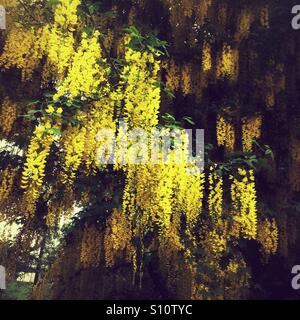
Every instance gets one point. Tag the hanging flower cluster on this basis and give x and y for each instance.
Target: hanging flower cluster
(90, 247)
(186, 79)
(54, 210)
(243, 195)
(60, 50)
(233, 266)
(61, 38)
(158, 189)
(206, 57)
(201, 10)
(163, 198)
(24, 49)
(141, 95)
(85, 73)
(228, 63)
(216, 243)
(8, 115)
(118, 239)
(225, 134)
(34, 169)
(65, 14)
(173, 76)
(244, 24)
(7, 177)
(74, 142)
(100, 116)
(222, 12)
(251, 129)
(267, 236)
(215, 198)
(187, 7)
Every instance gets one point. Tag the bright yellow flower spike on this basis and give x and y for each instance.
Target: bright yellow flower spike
(243, 195)
(85, 73)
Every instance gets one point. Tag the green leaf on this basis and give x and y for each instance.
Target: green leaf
(75, 122)
(88, 30)
(69, 104)
(189, 120)
(169, 93)
(93, 8)
(133, 31)
(110, 14)
(270, 153)
(168, 116)
(55, 131)
(33, 103)
(48, 94)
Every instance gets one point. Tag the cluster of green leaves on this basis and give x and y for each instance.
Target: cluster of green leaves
(92, 8)
(148, 42)
(170, 122)
(254, 161)
(164, 88)
(38, 110)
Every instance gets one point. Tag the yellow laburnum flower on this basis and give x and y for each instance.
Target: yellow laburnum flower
(225, 134)
(216, 243)
(243, 195)
(117, 238)
(164, 192)
(60, 50)
(215, 198)
(85, 74)
(7, 177)
(201, 10)
(228, 63)
(74, 142)
(233, 266)
(48, 125)
(99, 146)
(142, 95)
(8, 115)
(186, 79)
(34, 168)
(251, 129)
(244, 24)
(90, 247)
(50, 109)
(24, 49)
(65, 14)
(59, 110)
(173, 76)
(206, 57)
(267, 236)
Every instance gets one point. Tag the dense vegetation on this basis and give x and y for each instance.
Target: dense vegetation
(70, 68)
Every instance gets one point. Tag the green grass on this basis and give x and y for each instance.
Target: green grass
(17, 291)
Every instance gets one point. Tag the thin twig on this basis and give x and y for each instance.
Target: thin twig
(29, 12)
